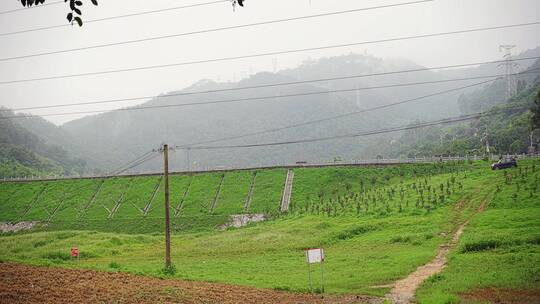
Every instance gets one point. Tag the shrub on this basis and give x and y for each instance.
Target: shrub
(400, 239)
(169, 271)
(57, 256)
(39, 244)
(480, 246)
(351, 233)
(116, 241)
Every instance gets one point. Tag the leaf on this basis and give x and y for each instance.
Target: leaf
(94, 2)
(70, 17)
(78, 11)
(78, 3)
(78, 20)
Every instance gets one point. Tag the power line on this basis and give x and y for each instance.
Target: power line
(127, 165)
(113, 17)
(31, 7)
(138, 163)
(361, 134)
(265, 85)
(310, 122)
(151, 67)
(269, 97)
(214, 30)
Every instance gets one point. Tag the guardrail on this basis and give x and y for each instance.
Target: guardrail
(350, 163)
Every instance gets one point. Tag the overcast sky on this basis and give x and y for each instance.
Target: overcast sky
(423, 18)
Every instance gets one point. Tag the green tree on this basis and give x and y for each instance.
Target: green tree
(536, 112)
(74, 16)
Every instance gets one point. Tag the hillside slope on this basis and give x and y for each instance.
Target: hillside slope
(506, 127)
(23, 153)
(131, 133)
(376, 225)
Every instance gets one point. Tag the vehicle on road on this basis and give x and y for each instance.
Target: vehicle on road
(504, 163)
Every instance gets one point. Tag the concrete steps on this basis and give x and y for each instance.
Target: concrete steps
(287, 191)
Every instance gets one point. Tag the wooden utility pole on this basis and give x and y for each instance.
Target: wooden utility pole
(167, 209)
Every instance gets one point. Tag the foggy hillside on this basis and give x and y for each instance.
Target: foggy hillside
(110, 139)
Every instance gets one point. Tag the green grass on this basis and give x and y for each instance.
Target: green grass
(376, 225)
(360, 252)
(500, 247)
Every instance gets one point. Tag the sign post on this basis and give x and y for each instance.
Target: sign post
(315, 255)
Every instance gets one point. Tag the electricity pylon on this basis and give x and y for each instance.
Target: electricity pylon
(509, 67)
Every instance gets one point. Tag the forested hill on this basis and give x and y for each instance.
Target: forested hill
(132, 133)
(23, 153)
(506, 127)
(106, 141)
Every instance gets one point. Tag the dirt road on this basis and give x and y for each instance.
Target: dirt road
(30, 284)
(403, 291)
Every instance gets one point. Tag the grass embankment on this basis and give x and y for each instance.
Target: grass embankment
(500, 247)
(376, 225)
(135, 204)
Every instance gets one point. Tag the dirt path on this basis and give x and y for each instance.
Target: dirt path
(403, 291)
(31, 284)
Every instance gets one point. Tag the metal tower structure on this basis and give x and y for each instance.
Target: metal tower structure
(509, 67)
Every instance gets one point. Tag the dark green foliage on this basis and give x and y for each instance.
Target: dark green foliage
(351, 233)
(74, 6)
(169, 270)
(480, 246)
(535, 119)
(22, 153)
(507, 127)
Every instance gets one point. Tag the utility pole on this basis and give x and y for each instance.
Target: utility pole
(509, 66)
(531, 148)
(165, 149)
(486, 138)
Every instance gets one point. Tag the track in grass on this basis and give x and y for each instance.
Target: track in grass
(404, 290)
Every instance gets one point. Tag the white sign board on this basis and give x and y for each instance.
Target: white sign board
(314, 255)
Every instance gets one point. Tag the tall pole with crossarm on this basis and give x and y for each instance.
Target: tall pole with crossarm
(165, 149)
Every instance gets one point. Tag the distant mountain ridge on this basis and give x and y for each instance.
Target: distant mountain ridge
(110, 139)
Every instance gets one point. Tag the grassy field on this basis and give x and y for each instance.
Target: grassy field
(376, 225)
(500, 247)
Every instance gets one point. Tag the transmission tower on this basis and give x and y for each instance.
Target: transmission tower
(509, 67)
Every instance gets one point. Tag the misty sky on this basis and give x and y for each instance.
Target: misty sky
(424, 18)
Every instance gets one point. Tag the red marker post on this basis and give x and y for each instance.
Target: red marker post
(75, 253)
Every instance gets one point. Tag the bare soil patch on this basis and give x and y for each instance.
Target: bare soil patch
(502, 296)
(31, 284)
(16, 227)
(241, 220)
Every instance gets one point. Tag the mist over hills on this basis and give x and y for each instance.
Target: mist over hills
(108, 140)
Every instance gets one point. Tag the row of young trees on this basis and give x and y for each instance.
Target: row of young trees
(377, 195)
